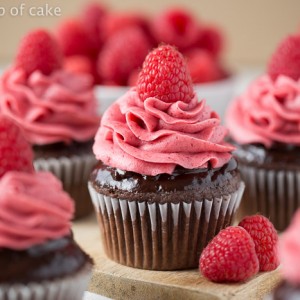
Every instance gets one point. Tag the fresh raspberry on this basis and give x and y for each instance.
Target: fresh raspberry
(133, 77)
(211, 39)
(165, 75)
(123, 52)
(286, 59)
(38, 50)
(265, 238)
(92, 17)
(78, 64)
(175, 27)
(203, 66)
(15, 152)
(230, 256)
(116, 22)
(73, 38)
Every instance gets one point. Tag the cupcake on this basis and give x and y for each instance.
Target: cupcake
(56, 110)
(264, 125)
(289, 249)
(38, 255)
(165, 182)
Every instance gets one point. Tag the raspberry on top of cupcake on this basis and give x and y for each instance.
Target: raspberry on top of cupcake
(268, 112)
(160, 124)
(51, 104)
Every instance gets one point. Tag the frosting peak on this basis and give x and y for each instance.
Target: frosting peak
(60, 107)
(152, 137)
(267, 112)
(33, 209)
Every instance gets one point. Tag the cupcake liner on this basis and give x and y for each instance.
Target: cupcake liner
(70, 287)
(74, 173)
(273, 193)
(161, 236)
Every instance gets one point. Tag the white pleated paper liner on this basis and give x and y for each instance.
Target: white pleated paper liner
(74, 173)
(273, 193)
(157, 236)
(68, 288)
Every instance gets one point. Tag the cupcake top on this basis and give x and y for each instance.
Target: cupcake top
(289, 249)
(33, 209)
(49, 103)
(268, 112)
(160, 124)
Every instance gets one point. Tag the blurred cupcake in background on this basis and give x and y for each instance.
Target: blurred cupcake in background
(113, 45)
(57, 111)
(37, 251)
(289, 249)
(264, 125)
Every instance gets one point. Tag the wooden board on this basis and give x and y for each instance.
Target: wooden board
(119, 282)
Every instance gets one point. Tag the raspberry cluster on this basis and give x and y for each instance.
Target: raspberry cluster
(238, 252)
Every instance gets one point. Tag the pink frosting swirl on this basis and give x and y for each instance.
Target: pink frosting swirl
(33, 209)
(268, 112)
(60, 107)
(153, 137)
(289, 249)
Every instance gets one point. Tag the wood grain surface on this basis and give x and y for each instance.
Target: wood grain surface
(120, 282)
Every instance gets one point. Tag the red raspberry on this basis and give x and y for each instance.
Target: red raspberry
(92, 17)
(15, 152)
(73, 38)
(78, 64)
(265, 238)
(175, 27)
(38, 50)
(123, 52)
(230, 256)
(286, 59)
(203, 66)
(114, 23)
(210, 39)
(165, 75)
(133, 78)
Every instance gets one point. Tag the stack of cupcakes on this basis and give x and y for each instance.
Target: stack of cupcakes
(166, 181)
(57, 111)
(38, 255)
(264, 125)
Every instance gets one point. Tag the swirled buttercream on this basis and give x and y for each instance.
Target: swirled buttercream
(33, 209)
(60, 107)
(267, 112)
(153, 137)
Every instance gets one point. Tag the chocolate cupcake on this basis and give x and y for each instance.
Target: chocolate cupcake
(166, 182)
(264, 125)
(57, 111)
(39, 257)
(289, 249)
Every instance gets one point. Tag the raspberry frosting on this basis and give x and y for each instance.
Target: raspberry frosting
(152, 137)
(289, 249)
(268, 112)
(33, 209)
(60, 107)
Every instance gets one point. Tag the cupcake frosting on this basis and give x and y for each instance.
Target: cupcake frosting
(153, 137)
(33, 210)
(267, 112)
(289, 249)
(60, 107)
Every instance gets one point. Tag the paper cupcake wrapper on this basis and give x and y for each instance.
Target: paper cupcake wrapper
(158, 236)
(74, 173)
(71, 287)
(273, 193)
